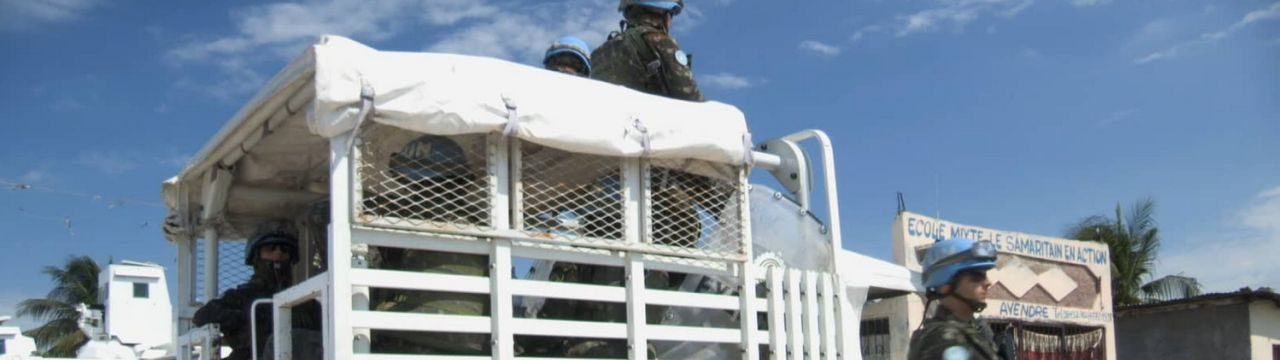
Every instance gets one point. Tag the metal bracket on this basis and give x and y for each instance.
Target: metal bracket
(794, 171)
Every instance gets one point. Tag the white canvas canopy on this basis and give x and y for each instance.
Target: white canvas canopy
(280, 139)
(451, 94)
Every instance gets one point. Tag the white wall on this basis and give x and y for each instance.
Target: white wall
(137, 320)
(1264, 328)
(15, 343)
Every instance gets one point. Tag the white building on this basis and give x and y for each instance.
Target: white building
(137, 300)
(12, 343)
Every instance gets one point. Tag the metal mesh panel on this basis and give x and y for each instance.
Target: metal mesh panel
(432, 182)
(231, 268)
(570, 196)
(695, 205)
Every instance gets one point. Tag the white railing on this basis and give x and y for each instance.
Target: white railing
(807, 315)
(202, 338)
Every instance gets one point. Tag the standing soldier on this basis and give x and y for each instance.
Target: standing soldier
(568, 55)
(644, 56)
(955, 276)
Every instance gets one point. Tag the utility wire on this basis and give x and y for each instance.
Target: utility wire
(118, 202)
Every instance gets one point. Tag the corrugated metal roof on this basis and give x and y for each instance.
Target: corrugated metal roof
(1245, 294)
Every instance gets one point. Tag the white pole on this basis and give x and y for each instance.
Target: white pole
(500, 297)
(338, 342)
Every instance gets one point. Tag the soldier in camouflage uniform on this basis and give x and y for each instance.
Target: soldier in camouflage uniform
(271, 254)
(643, 55)
(955, 276)
(429, 171)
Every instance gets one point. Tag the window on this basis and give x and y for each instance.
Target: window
(875, 339)
(2, 342)
(141, 291)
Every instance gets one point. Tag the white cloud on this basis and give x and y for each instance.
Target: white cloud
(867, 30)
(1029, 53)
(523, 35)
(26, 14)
(176, 160)
(957, 14)
(819, 48)
(1088, 3)
(1155, 30)
(726, 81)
(1271, 12)
(110, 163)
(1248, 248)
(518, 31)
(36, 175)
(271, 32)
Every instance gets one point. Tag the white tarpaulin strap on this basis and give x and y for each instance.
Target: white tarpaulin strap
(644, 136)
(366, 108)
(513, 117)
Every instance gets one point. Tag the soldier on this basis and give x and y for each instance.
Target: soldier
(271, 254)
(568, 55)
(434, 183)
(955, 276)
(643, 55)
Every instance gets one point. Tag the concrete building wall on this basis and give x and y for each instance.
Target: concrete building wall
(901, 314)
(1191, 332)
(1264, 329)
(137, 307)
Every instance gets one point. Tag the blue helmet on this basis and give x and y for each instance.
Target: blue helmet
(950, 257)
(570, 45)
(673, 6)
(430, 156)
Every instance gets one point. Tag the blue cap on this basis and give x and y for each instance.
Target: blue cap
(572, 45)
(673, 6)
(950, 257)
(430, 156)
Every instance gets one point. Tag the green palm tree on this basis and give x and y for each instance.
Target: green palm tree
(1133, 243)
(75, 282)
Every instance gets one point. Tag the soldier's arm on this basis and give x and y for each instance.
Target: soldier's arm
(676, 70)
(227, 311)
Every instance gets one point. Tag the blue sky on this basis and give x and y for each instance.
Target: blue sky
(1013, 114)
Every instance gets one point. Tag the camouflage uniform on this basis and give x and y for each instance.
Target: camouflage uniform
(946, 337)
(645, 58)
(565, 309)
(395, 300)
(433, 181)
(231, 313)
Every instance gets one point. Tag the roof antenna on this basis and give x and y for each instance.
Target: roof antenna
(902, 204)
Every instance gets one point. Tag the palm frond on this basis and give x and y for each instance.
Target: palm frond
(75, 282)
(45, 309)
(1170, 288)
(66, 345)
(1133, 242)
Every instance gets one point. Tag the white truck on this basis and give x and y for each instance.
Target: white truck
(556, 169)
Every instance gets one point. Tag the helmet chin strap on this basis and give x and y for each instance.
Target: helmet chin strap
(976, 305)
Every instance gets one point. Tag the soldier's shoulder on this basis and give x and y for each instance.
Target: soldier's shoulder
(943, 332)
